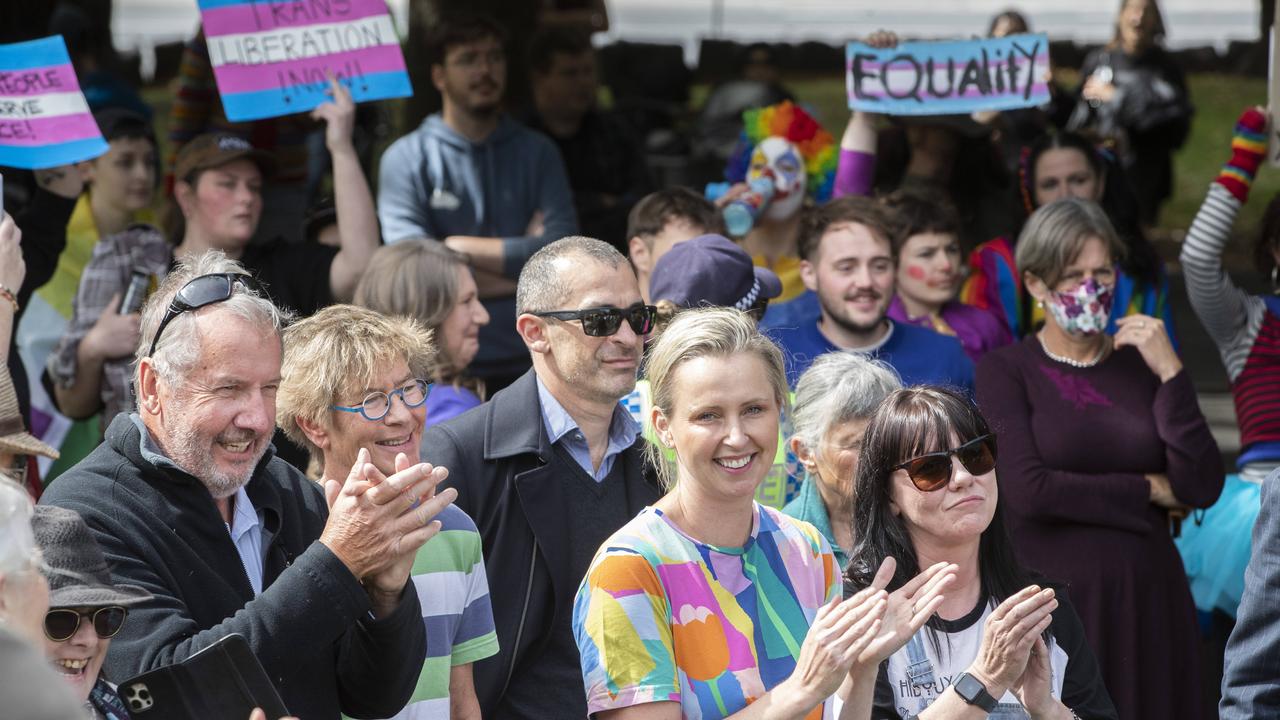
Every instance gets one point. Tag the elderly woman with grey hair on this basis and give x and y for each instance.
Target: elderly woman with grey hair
(24, 594)
(834, 400)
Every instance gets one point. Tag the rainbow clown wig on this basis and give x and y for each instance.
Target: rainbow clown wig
(793, 124)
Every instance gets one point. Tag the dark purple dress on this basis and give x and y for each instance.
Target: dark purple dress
(1074, 444)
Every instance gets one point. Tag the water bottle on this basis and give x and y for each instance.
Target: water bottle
(741, 213)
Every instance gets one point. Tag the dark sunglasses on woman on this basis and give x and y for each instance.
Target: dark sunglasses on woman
(605, 321)
(934, 470)
(61, 624)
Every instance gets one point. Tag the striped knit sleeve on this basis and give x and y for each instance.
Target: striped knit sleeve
(1230, 315)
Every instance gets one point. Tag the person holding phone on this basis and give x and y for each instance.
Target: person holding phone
(86, 609)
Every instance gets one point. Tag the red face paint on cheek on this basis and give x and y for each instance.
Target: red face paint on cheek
(915, 272)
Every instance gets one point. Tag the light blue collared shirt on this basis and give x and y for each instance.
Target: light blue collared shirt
(244, 517)
(563, 429)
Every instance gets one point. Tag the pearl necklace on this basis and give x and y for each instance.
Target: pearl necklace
(1070, 361)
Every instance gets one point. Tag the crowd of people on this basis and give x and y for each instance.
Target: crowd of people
(523, 435)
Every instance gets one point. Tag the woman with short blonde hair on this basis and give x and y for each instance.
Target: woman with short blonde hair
(708, 604)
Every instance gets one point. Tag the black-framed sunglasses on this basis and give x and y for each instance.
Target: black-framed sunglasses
(61, 624)
(377, 404)
(605, 321)
(200, 292)
(934, 470)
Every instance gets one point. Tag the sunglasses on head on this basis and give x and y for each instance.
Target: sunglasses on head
(605, 321)
(61, 624)
(934, 470)
(200, 292)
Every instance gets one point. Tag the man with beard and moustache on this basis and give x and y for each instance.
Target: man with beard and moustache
(189, 502)
(471, 177)
(551, 467)
(848, 259)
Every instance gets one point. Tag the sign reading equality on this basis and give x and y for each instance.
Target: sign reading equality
(44, 119)
(948, 77)
(272, 57)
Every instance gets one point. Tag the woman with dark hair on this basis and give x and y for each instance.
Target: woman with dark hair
(1056, 166)
(1246, 329)
(1135, 96)
(1002, 643)
(1103, 450)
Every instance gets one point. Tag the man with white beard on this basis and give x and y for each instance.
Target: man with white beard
(187, 500)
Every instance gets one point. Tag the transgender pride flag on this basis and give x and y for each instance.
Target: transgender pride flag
(44, 119)
(271, 58)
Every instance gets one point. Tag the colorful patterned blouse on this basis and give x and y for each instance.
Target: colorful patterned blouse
(663, 617)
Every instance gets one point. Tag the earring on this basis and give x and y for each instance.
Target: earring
(1275, 279)
(1039, 304)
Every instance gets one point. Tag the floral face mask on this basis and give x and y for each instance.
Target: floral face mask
(1082, 310)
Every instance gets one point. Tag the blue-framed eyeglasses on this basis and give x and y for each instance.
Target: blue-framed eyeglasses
(377, 404)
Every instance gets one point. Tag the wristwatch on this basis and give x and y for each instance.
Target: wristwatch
(971, 690)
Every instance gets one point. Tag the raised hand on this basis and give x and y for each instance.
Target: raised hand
(338, 114)
(1148, 335)
(419, 524)
(1032, 688)
(841, 632)
(12, 267)
(908, 608)
(374, 521)
(1011, 631)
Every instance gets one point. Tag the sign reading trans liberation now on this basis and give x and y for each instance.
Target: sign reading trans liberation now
(44, 119)
(273, 57)
(942, 78)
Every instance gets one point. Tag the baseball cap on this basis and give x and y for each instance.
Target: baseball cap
(711, 270)
(213, 150)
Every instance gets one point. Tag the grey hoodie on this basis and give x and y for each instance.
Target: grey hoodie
(435, 183)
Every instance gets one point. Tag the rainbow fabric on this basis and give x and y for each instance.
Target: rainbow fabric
(1248, 147)
(792, 123)
(663, 617)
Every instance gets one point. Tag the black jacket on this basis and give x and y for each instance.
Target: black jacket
(498, 457)
(310, 627)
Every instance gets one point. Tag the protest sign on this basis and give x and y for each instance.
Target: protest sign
(942, 78)
(272, 57)
(44, 119)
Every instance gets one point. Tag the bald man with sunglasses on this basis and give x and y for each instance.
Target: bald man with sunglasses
(551, 467)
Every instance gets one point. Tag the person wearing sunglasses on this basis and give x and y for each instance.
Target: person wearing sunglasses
(1104, 450)
(86, 609)
(353, 387)
(1003, 643)
(189, 500)
(551, 466)
(29, 688)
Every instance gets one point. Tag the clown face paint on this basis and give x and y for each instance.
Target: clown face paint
(780, 161)
(1082, 310)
